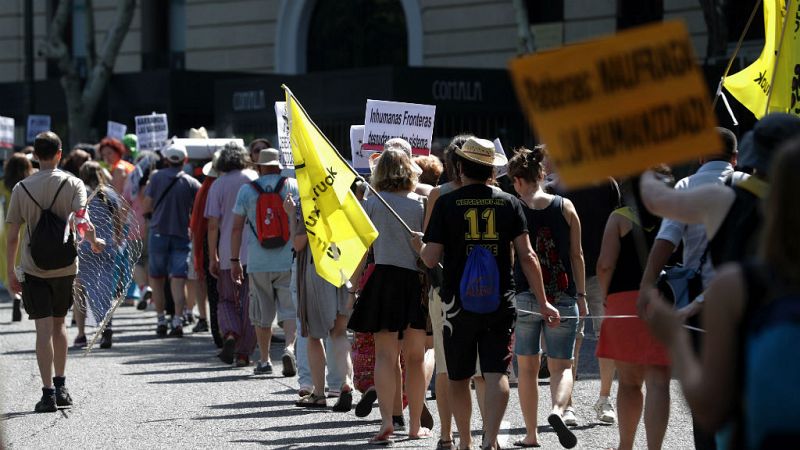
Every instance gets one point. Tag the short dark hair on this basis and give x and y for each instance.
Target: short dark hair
(259, 141)
(474, 170)
(46, 145)
(730, 144)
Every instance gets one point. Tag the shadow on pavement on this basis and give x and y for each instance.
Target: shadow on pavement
(263, 414)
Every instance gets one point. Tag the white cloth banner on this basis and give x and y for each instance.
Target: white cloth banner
(116, 130)
(36, 125)
(6, 132)
(410, 121)
(152, 131)
(284, 145)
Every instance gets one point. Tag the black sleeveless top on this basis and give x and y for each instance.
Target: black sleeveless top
(628, 271)
(737, 237)
(549, 234)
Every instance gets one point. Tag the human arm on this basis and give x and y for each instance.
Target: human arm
(609, 252)
(706, 204)
(434, 195)
(12, 242)
(533, 274)
(237, 273)
(299, 240)
(708, 382)
(213, 240)
(576, 255)
(118, 179)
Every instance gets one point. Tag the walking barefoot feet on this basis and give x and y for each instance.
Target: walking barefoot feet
(383, 437)
(422, 433)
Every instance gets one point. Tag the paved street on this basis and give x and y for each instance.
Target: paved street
(147, 392)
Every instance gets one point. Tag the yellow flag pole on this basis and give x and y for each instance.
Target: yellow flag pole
(358, 176)
(777, 56)
(735, 52)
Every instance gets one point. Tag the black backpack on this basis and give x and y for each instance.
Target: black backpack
(48, 247)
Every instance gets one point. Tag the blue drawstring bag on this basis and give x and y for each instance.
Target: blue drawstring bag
(480, 282)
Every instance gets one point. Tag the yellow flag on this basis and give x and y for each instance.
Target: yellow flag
(339, 231)
(752, 84)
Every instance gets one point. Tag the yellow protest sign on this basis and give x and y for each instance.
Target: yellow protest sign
(618, 105)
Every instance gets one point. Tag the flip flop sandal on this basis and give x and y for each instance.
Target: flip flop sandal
(444, 445)
(423, 433)
(312, 401)
(521, 443)
(565, 436)
(345, 402)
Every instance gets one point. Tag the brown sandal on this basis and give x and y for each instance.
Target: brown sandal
(312, 401)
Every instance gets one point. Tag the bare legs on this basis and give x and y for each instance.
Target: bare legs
(529, 395)
(495, 403)
(560, 383)
(414, 354)
(630, 402)
(461, 404)
(264, 336)
(443, 406)
(51, 348)
(607, 370)
(387, 351)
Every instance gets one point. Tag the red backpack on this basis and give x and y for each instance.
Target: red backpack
(272, 223)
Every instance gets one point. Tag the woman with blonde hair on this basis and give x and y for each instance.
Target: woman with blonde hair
(390, 305)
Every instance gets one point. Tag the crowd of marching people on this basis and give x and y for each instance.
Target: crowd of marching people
(697, 280)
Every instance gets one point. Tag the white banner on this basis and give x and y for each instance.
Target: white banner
(36, 125)
(6, 132)
(410, 121)
(498, 148)
(152, 131)
(359, 156)
(116, 130)
(284, 145)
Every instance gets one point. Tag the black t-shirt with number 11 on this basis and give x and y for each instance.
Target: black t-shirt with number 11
(476, 214)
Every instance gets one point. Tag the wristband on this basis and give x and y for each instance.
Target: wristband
(234, 259)
(582, 294)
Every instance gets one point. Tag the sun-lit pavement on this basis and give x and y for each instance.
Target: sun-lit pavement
(147, 392)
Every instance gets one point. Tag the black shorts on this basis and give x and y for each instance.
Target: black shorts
(488, 335)
(47, 297)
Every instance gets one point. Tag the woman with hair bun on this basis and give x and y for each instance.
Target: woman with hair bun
(555, 234)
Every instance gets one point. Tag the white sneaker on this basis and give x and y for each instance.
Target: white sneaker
(569, 417)
(605, 412)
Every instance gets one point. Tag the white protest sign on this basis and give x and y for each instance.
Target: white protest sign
(6, 132)
(498, 148)
(410, 121)
(152, 131)
(36, 125)
(359, 156)
(284, 145)
(116, 130)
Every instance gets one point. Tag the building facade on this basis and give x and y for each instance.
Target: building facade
(274, 38)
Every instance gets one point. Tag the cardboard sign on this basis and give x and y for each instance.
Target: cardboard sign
(6, 132)
(360, 157)
(498, 148)
(284, 145)
(410, 121)
(116, 130)
(152, 131)
(36, 124)
(619, 105)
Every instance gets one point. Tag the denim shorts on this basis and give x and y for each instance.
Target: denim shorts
(559, 341)
(168, 255)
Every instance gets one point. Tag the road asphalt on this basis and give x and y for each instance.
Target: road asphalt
(149, 392)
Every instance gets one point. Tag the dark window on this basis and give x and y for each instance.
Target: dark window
(737, 13)
(357, 33)
(540, 11)
(632, 13)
